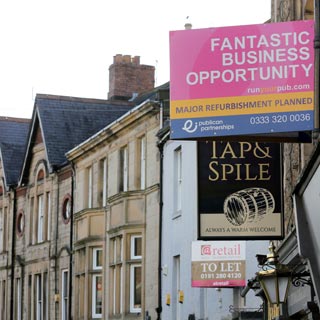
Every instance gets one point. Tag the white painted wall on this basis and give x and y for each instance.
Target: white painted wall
(179, 230)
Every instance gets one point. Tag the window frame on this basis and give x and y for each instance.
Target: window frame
(45, 295)
(32, 222)
(48, 213)
(39, 297)
(133, 267)
(123, 168)
(116, 274)
(64, 294)
(18, 299)
(142, 151)
(94, 295)
(133, 247)
(95, 252)
(104, 181)
(3, 293)
(178, 179)
(4, 229)
(40, 218)
(90, 187)
(133, 287)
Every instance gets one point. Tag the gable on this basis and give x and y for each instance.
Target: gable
(61, 123)
(35, 153)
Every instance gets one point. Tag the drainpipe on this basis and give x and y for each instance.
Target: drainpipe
(159, 308)
(71, 243)
(13, 253)
(160, 147)
(56, 284)
(162, 96)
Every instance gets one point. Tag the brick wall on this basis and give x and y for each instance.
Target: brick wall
(128, 77)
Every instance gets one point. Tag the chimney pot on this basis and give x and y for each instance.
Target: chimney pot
(126, 59)
(136, 60)
(117, 58)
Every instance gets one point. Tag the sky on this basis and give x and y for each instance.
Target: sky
(65, 47)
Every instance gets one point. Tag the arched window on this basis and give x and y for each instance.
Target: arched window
(42, 206)
(40, 176)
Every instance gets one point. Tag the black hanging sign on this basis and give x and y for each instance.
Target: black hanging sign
(240, 190)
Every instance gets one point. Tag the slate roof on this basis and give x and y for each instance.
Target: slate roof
(67, 121)
(152, 94)
(156, 95)
(13, 138)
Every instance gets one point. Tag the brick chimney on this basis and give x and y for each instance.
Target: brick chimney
(127, 77)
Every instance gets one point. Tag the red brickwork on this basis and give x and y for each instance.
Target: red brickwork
(128, 77)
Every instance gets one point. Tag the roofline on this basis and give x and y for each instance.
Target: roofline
(13, 119)
(80, 99)
(31, 128)
(50, 166)
(36, 115)
(81, 147)
(4, 172)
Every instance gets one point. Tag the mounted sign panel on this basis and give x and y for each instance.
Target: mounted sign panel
(239, 191)
(244, 80)
(218, 264)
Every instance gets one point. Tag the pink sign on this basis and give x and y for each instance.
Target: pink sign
(228, 71)
(227, 61)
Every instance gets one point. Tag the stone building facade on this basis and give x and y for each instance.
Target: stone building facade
(50, 257)
(43, 244)
(116, 217)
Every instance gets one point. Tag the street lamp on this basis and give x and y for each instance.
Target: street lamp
(275, 279)
(272, 284)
